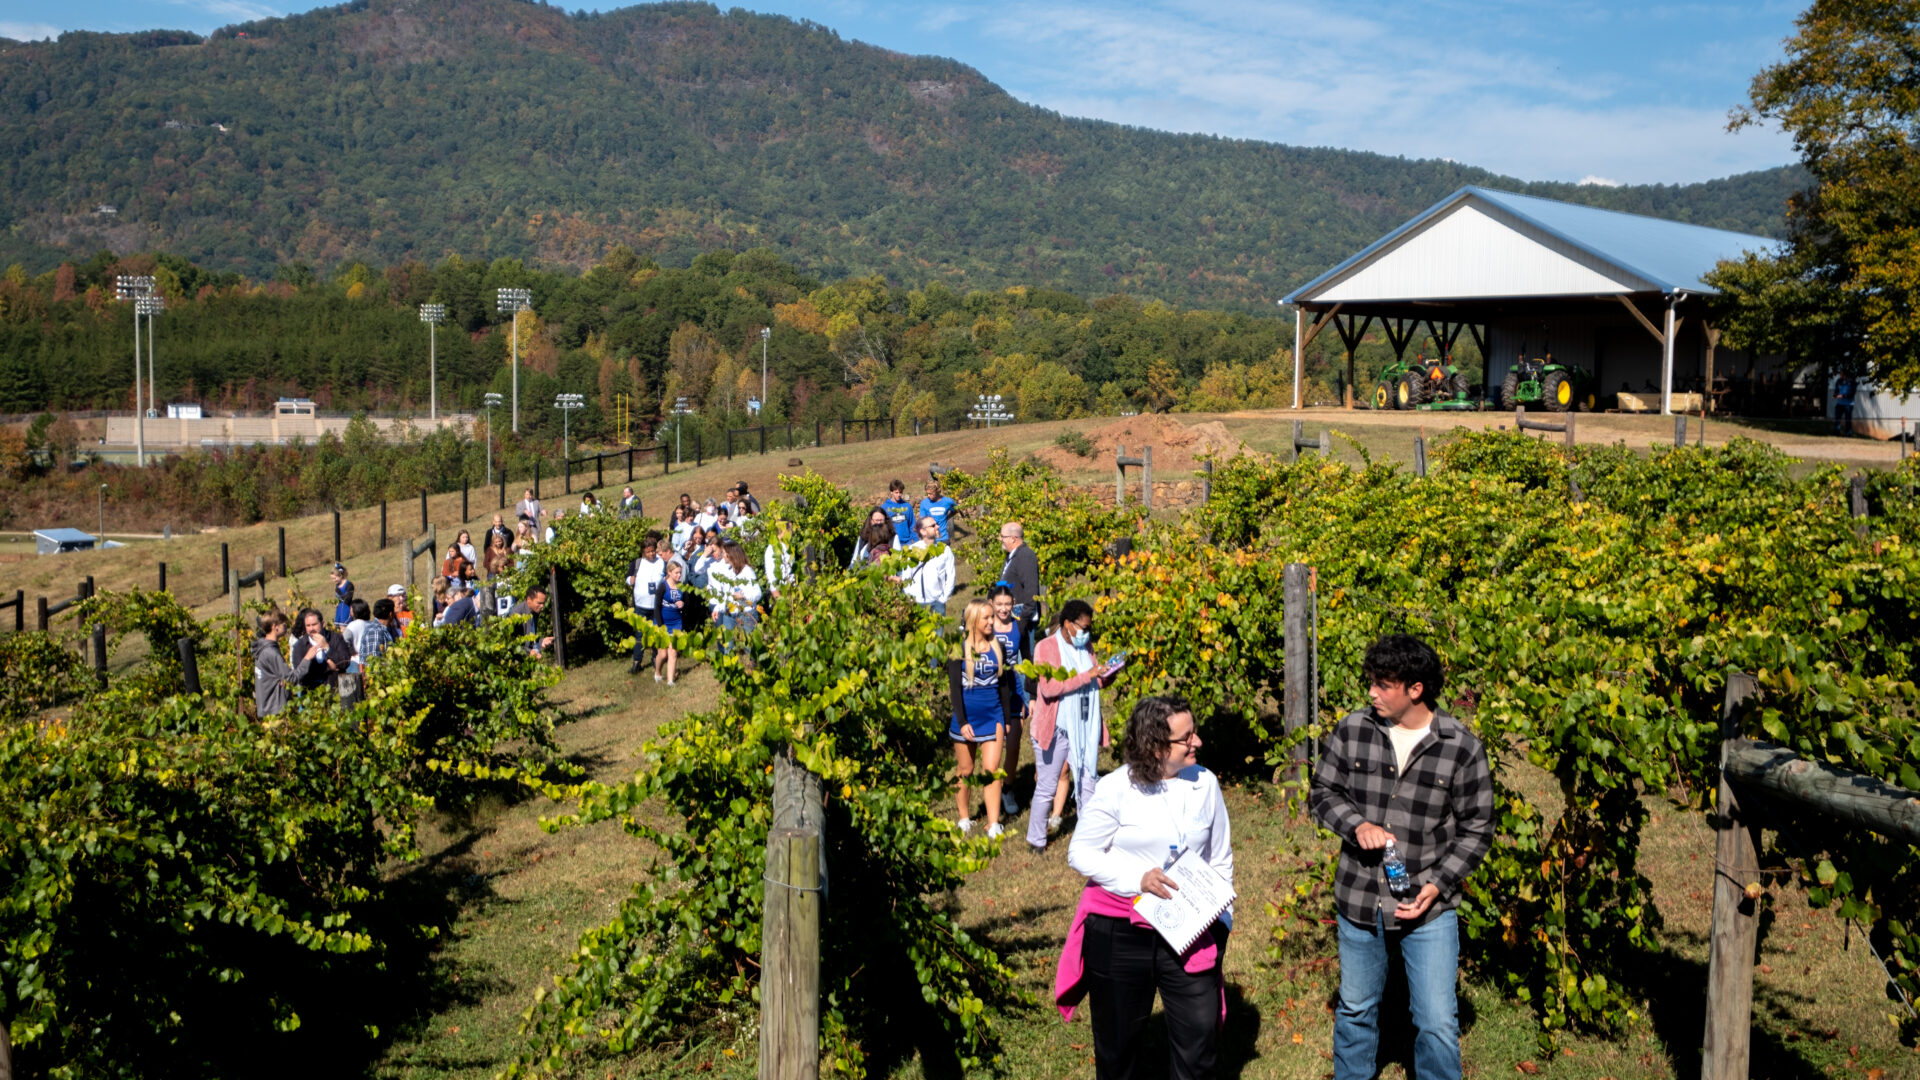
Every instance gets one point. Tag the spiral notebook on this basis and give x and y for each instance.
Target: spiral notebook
(1202, 897)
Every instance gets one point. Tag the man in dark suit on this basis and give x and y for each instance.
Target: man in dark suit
(1022, 574)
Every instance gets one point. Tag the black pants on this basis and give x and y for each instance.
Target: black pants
(652, 615)
(1125, 965)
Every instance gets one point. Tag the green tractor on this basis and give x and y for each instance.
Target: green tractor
(1421, 384)
(1554, 387)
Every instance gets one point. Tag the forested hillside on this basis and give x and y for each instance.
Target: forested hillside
(389, 130)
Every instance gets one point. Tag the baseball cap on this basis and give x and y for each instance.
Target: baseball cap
(396, 590)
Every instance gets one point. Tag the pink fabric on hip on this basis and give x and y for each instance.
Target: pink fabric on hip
(1070, 976)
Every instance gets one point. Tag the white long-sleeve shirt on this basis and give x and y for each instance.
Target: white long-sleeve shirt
(931, 581)
(723, 580)
(647, 580)
(779, 564)
(1125, 830)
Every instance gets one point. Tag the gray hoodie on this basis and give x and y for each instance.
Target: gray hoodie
(272, 676)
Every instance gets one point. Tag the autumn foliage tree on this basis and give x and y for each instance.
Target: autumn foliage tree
(1844, 289)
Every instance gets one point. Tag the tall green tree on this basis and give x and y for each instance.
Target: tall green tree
(1843, 290)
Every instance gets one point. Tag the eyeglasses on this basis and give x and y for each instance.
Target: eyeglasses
(1187, 739)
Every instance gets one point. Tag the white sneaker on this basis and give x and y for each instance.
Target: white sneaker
(966, 825)
(994, 830)
(1053, 825)
(657, 678)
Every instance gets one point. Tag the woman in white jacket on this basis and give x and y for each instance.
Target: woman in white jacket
(647, 578)
(930, 582)
(734, 587)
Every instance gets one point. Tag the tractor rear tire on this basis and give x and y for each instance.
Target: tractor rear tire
(1456, 385)
(1382, 397)
(1510, 391)
(1556, 391)
(1407, 393)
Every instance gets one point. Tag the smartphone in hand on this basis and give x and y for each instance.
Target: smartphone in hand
(1115, 663)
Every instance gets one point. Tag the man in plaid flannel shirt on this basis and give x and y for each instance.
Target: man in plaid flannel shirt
(1405, 772)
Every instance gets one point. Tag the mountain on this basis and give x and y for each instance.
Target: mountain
(386, 130)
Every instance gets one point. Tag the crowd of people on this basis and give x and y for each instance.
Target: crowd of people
(1403, 784)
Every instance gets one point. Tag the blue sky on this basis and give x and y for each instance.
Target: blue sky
(1574, 90)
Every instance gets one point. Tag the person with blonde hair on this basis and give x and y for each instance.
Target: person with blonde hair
(981, 682)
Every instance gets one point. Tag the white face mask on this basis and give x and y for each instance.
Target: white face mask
(1078, 639)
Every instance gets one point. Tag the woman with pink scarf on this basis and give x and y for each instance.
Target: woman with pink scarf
(1141, 818)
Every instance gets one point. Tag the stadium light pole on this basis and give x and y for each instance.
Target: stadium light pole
(516, 301)
(151, 305)
(765, 333)
(433, 315)
(490, 403)
(133, 287)
(566, 403)
(989, 408)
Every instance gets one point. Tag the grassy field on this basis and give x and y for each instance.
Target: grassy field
(516, 898)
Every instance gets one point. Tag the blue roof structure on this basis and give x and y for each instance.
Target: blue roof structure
(1672, 255)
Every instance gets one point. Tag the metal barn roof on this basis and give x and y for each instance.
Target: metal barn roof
(1482, 243)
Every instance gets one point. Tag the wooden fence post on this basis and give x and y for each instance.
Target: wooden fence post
(260, 572)
(336, 536)
(423, 509)
(225, 568)
(189, 665)
(503, 487)
(1146, 477)
(233, 590)
(1420, 454)
(383, 524)
(1119, 475)
(599, 471)
(1297, 702)
(465, 515)
(283, 551)
(163, 580)
(1206, 482)
(42, 616)
(790, 932)
(1736, 924)
(536, 481)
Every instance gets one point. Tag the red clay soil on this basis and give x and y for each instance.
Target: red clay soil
(1177, 447)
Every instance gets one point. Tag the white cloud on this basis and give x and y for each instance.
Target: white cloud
(1528, 100)
(231, 10)
(1590, 180)
(20, 31)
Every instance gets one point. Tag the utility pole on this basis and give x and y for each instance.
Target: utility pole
(765, 333)
(566, 403)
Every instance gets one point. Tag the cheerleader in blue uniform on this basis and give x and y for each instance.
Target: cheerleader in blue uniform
(982, 689)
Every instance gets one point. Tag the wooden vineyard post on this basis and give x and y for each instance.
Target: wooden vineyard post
(1736, 923)
(1297, 702)
(1146, 477)
(336, 536)
(189, 665)
(790, 931)
(225, 567)
(1420, 454)
(383, 524)
(283, 551)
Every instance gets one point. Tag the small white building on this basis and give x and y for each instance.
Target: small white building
(1617, 295)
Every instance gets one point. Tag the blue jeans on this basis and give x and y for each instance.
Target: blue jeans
(1431, 953)
(938, 607)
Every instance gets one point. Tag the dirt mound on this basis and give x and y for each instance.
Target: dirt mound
(1177, 447)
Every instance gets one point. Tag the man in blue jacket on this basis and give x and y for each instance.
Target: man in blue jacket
(900, 515)
(939, 508)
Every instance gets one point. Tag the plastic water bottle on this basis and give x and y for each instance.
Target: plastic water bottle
(1399, 882)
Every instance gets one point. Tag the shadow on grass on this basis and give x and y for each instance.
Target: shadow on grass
(352, 1008)
(1675, 990)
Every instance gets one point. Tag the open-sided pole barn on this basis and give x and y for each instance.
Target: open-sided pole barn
(1618, 295)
